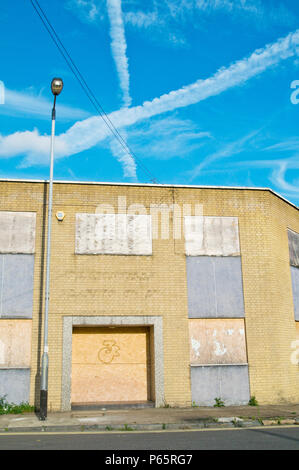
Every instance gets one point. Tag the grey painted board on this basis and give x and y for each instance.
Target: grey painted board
(229, 287)
(1, 279)
(294, 247)
(215, 288)
(295, 286)
(201, 286)
(15, 384)
(16, 288)
(230, 383)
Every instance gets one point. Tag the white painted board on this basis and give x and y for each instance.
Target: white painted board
(211, 236)
(116, 234)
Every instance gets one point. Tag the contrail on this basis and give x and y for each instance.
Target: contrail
(119, 48)
(87, 133)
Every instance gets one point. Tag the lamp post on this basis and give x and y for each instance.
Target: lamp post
(56, 87)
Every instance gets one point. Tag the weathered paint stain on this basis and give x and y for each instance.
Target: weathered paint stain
(220, 349)
(195, 346)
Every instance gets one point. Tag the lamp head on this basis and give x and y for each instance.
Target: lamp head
(56, 86)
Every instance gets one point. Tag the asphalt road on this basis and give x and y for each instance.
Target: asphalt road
(270, 438)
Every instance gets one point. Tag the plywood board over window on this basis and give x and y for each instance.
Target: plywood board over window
(113, 234)
(15, 343)
(229, 383)
(211, 236)
(215, 287)
(294, 248)
(220, 341)
(16, 285)
(293, 238)
(17, 232)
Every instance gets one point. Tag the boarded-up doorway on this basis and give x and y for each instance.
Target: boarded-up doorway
(110, 365)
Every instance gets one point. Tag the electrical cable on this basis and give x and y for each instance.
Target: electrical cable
(92, 98)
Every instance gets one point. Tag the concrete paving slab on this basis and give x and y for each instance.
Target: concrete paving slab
(152, 419)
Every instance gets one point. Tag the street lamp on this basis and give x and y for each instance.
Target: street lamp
(56, 87)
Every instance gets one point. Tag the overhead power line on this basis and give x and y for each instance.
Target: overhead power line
(92, 98)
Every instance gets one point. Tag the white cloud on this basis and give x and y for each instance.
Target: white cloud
(280, 167)
(233, 148)
(87, 10)
(170, 12)
(165, 138)
(142, 19)
(286, 145)
(26, 103)
(257, 9)
(287, 185)
(278, 176)
(31, 144)
(165, 18)
(236, 74)
(160, 138)
(87, 133)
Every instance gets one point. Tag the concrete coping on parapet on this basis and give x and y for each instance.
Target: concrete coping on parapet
(154, 185)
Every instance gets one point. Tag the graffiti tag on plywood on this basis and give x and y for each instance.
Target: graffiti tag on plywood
(108, 352)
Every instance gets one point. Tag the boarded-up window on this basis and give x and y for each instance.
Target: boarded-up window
(294, 262)
(17, 232)
(16, 285)
(215, 287)
(230, 383)
(211, 236)
(15, 385)
(15, 343)
(294, 248)
(220, 341)
(115, 234)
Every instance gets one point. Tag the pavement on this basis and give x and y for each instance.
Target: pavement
(152, 419)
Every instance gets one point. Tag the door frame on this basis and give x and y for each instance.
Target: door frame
(156, 322)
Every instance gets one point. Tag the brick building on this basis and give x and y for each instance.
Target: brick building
(171, 295)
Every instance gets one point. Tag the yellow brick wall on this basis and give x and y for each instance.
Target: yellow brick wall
(156, 285)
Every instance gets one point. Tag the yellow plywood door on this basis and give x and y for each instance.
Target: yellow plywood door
(110, 365)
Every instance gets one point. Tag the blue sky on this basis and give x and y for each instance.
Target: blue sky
(199, 89)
